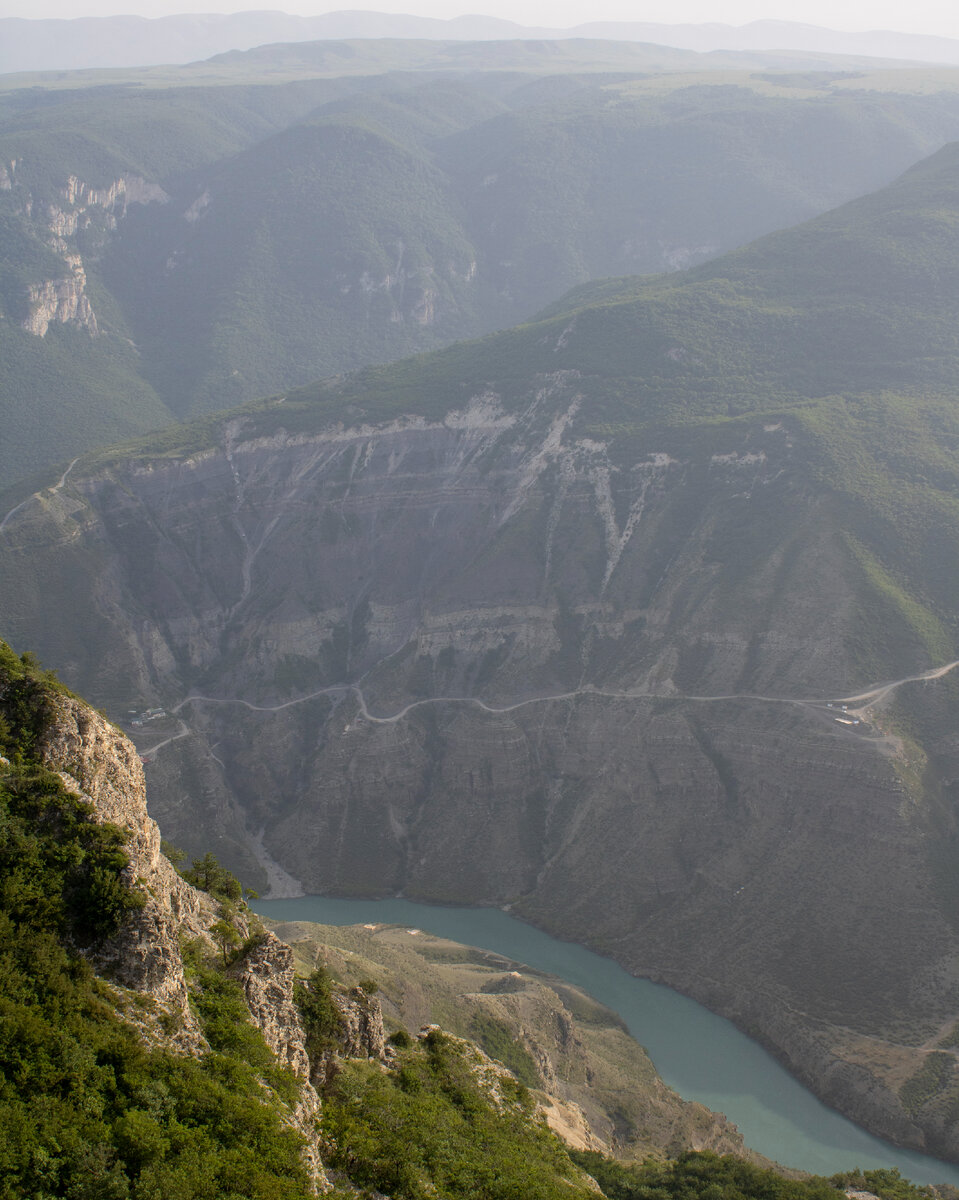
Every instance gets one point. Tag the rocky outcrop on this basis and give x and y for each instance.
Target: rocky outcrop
(77, 205)
(60, 300)
(360, 1034)
(361, 1025)
(96, 762)
(568, 1121)
(266, 973)
(123, 191)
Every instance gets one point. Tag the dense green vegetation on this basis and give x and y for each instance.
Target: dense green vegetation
(87, 1111)
(697, 1176)
(702, 1175)
(887, 1184)
(430, 1126)
(226, 1024)
(321, 1018)
(210, 876)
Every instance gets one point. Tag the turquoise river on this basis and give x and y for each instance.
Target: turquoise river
(703, 1056)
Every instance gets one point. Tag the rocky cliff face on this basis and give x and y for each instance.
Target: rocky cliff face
(361, 1026)
(493, 658)
(77, 208)
(96, 761)
(60, 300)
(267, 975)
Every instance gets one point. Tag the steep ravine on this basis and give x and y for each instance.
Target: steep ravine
(760, 856)
(594, 1084)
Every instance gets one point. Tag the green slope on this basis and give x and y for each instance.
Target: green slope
(858, 300)
(281, 227)
(88, 1106)
(398, 222)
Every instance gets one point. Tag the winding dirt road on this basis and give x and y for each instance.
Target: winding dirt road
(882, 690)
(864, 700)
(184, 730)
(34, 495)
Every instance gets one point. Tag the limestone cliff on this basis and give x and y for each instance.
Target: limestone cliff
(96, 762)
(60, 300)
(74, 208)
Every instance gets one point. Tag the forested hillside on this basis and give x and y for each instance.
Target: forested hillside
(183, 240)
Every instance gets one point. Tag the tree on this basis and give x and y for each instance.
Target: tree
(207, 874)
(226, 937)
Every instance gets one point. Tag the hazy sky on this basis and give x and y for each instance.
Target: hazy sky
(922, 16)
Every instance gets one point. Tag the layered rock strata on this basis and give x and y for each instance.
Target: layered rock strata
(493, 658)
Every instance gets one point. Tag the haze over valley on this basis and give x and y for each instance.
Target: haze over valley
(519, 474)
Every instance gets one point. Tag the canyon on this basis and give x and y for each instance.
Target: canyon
(637, 619)
(594, 786)
(166, 965)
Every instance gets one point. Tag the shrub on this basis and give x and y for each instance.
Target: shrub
(321, 1018)
(207, 874)
(428, 1128)
(86, 1110)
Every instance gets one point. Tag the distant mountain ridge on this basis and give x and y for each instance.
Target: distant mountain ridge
(306, 209)
(127, 41)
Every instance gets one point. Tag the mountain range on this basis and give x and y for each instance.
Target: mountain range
(124, 41)
(173, 243)
(638, 618)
